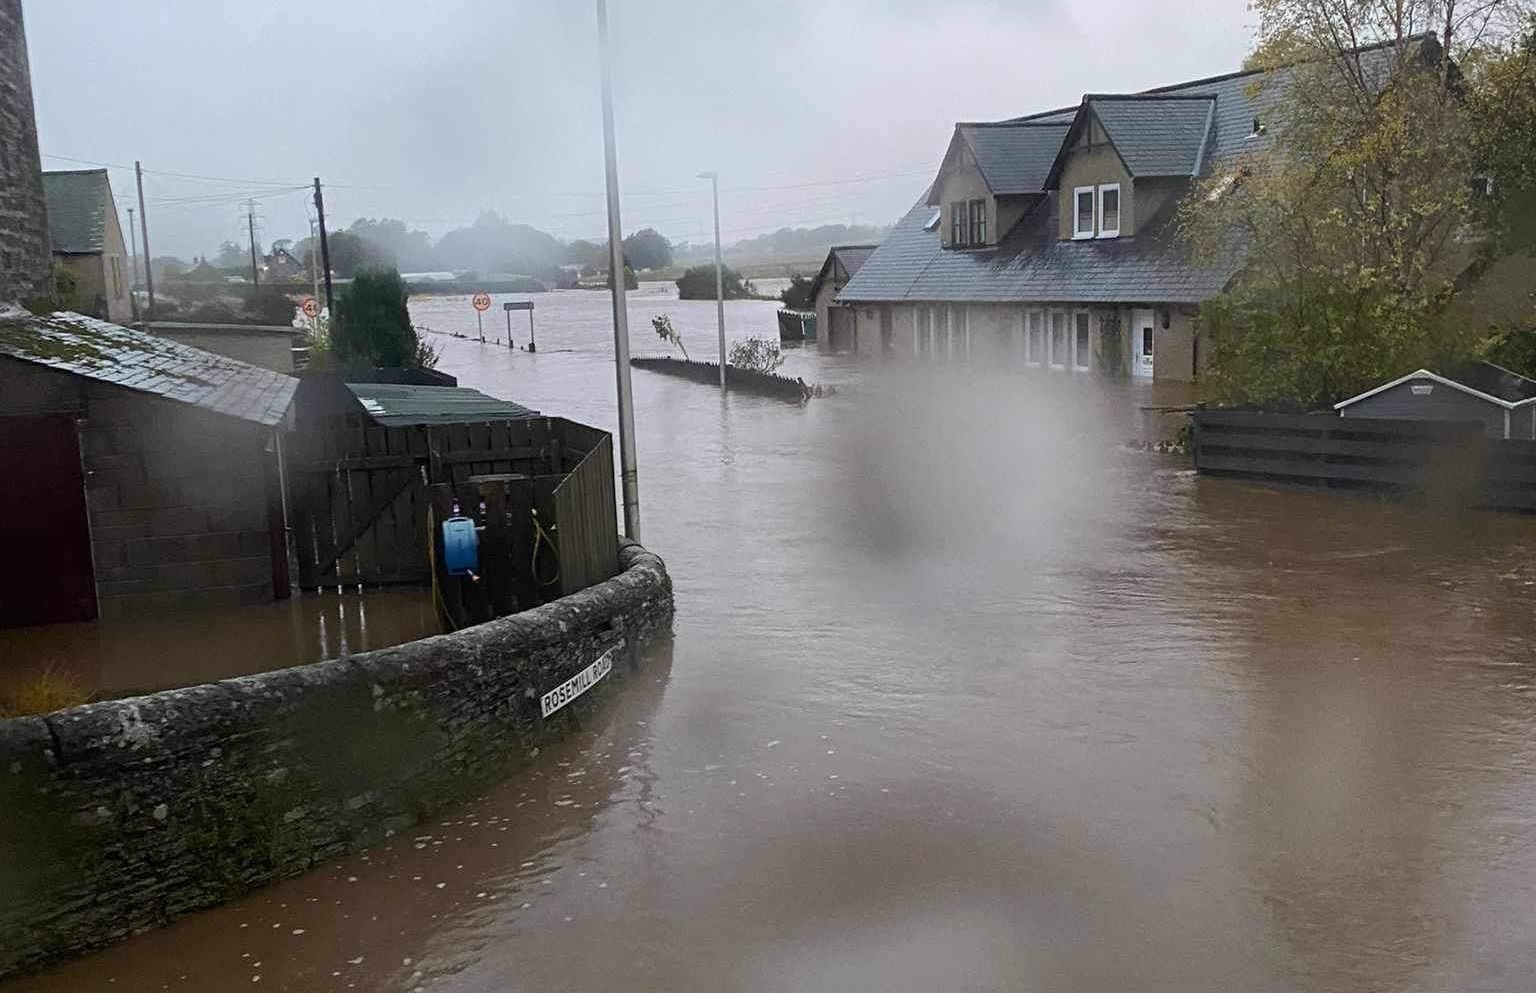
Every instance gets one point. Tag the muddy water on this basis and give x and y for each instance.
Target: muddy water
(965, 696)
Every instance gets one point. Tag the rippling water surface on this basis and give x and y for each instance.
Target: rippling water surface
(964, 696)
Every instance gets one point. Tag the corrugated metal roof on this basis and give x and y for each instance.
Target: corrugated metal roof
(77, 209)
(1015, 158)
(399, 405)
(1157, 136)
(135, 360)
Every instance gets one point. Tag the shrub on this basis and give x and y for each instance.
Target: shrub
(698, 283)
(372, 325)
(756, 355)
(666, 332)
(50, 691)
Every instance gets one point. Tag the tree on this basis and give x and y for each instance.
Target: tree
(756, 355)
(1356, 224)
(797, 295)
(231, 256)
(373, 325)
(647, 249)
(349, 254)
(698, 283)
(666, 332)
(394, 243)
(492, 243)
(631, 281)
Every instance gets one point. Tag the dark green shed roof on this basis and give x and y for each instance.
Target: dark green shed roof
(399, 405)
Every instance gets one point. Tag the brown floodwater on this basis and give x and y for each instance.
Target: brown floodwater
(964, 695)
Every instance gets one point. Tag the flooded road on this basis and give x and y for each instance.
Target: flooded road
(965, 696)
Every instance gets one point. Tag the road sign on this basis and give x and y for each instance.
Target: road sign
(518, 305)
(576, 685)
(311, 307)
(482, 302)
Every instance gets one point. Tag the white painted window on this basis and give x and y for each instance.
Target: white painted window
(1109, 210)
(1034, 341)
(1058, 339)
(1083, 200)
(1082, 341)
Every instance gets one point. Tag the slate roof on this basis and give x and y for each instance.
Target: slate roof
(1157, 135)
(135, 360)
(398, 405)
(1032, 264)
(1014, 158)
(850, 257)
(77, 210)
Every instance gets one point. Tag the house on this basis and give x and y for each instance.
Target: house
(87, 241)
(141, 474)
(836, 323)
(1504, 401)
(280, 265)
(1052, 240)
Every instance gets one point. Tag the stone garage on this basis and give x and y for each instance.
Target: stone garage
(142, 475)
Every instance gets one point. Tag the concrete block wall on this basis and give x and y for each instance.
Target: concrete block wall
(25, 254)
(123, 815)
(178, 505)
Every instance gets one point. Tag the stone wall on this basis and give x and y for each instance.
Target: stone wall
(24, 249)
(260, 345)
(178, 502)
(121, 816)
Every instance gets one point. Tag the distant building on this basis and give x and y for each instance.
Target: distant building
(281, 264)
(837, 325)
(24, 258)
(87, 242)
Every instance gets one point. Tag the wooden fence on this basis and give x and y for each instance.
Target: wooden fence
(1443, 461)
(360, 494)
(766, 383)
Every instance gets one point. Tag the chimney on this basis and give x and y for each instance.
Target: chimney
(25, 256)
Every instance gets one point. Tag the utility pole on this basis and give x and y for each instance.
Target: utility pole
(149, 258)
(714, 185)
(325, 251)
(250, 224)
(133, 265)
(628, 472)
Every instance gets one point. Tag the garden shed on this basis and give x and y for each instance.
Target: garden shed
(141, 474)
(1503, 401)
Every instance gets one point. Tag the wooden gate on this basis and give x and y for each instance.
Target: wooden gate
(361, 493)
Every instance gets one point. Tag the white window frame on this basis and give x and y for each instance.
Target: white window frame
(1034, 348)
(1058, 361)
(1078, 234)
(1099, 210)
(1072, 340)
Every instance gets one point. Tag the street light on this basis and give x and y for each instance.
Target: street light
(714, 184)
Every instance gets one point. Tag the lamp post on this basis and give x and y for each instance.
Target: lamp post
(714, 185)
(630, 476)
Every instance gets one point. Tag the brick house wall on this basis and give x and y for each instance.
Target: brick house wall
(24, 248)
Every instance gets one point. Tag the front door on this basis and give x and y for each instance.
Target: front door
(49, 577)
(1142, 323)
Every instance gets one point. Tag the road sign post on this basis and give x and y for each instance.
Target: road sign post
(520, 305)
(481, 302)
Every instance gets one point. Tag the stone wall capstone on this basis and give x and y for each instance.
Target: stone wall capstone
(122, 815)
(25, 254)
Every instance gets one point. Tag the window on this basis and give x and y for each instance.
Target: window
(957, 223)
(1109, 211)
(1081, 341)
(1058, 339)
(1034, 342)
(933, 222)
(978, 222)
(1082, 215)
(117, 276)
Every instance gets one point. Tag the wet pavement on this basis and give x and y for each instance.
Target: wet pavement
(965, 696)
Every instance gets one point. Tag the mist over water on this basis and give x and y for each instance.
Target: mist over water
(964, 695)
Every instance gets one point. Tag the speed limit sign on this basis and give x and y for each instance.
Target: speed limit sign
(482, 301)
(311, 307)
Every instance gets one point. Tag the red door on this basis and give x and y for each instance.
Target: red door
(47, 577)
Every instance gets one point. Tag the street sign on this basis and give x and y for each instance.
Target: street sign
(527, 305)
(518, 305)
(311, 307)
(577, 684)
(481, 302)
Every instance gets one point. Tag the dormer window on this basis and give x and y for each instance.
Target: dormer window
(978, 222)
(967, 223)
(1083, 212)
(1109, 211)
(957, 223)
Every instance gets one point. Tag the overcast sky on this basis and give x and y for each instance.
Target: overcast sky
(430, 112)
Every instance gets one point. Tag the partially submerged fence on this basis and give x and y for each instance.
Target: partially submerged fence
(1445, 461)
(766, 383)
(360, 496)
